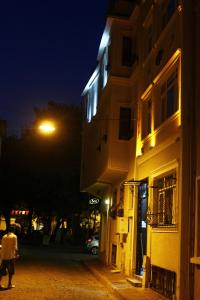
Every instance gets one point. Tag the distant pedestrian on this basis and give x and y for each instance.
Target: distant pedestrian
(9, 251)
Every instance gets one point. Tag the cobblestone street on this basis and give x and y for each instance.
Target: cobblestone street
(51, 274)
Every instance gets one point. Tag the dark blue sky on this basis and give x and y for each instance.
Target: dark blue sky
(48, 51)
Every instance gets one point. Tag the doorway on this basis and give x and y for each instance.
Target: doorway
(141, 246)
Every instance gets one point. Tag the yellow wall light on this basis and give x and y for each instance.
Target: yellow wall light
(107, 201)
(153, 140)
(139, 147)
(47, 127)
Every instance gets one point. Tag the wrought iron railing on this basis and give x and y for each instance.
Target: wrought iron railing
(163, 281)
(156, 219)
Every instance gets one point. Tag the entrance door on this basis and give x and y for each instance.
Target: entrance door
(141, 226)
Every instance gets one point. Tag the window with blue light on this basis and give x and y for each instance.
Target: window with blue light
(92, 99)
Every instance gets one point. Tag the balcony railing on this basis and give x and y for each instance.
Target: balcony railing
(163, 281)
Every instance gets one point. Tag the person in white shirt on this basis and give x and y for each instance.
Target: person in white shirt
(9, 251)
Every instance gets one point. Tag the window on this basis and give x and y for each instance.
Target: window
(164, 200)
(125, 124)
(171, 8)
(114, 199)
(127, 51)
(92, 100)
(169, 97)
(104, 67)
(146, 117)
(167, 10)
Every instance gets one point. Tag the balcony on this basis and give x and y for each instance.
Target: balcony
(105, 158)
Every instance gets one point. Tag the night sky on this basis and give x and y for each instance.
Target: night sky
(48, 51)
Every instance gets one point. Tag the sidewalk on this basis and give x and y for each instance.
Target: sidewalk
(117, 283)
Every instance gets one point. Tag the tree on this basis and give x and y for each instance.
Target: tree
(46, 171)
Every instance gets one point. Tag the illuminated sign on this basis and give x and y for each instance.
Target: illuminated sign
(19, 212)
(93, 201)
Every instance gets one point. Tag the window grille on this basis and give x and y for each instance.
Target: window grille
(163, 213)
(163, 281)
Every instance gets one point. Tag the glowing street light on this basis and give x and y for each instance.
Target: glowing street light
(47, 127)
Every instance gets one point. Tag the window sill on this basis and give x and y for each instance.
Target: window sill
(165, 229)
(195, 260)
(163, 226)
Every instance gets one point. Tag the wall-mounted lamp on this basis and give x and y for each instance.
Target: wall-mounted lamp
(107, 201)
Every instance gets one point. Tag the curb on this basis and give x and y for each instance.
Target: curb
(104, 281)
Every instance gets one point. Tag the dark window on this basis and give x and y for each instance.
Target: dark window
(149, 116)
(125, 128)
(168, 9)
(163, 102)
(169, 97)
(114, 199)
(127, 51)
(170, 102)
(171, 8)
(146, 118)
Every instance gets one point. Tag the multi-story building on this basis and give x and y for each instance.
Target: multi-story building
(192, 45)
(140, 143)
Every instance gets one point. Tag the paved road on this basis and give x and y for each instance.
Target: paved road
(52, 274)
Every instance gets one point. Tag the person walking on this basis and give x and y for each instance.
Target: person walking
(9, 251)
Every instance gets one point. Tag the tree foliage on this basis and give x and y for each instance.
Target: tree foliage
(44, 172)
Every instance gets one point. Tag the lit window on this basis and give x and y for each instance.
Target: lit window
(92, 100)
(104, 67)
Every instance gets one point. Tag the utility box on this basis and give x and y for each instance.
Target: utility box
(122, 225)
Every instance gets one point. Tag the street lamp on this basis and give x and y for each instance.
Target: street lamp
(47, 127)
